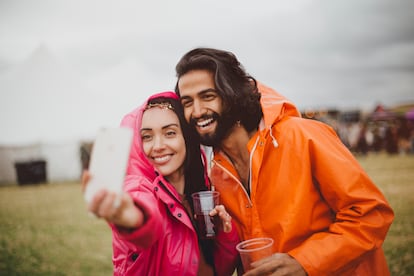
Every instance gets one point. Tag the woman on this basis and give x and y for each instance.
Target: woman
(152, 222)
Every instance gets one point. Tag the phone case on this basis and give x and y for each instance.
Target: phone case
(109, 160)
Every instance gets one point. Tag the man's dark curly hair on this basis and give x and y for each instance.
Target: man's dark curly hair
(237, 89)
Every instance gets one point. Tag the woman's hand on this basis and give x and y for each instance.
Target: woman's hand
(225, 218)
(116, 209)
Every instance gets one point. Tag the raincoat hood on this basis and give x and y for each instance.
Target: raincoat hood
(275, 106)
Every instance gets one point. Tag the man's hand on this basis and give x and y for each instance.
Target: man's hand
(277, 265)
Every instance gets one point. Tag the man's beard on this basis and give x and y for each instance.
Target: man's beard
(225, 122)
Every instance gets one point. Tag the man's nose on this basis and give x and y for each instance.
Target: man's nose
(198, 109)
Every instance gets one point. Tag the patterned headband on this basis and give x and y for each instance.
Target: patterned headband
(164, 105)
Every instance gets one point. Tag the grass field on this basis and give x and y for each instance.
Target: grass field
(45, 229)
(395, 176)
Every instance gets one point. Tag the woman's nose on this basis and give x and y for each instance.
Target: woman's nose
(158, 143)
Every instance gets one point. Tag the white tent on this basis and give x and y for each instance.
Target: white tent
(47, 109)
(62, 161)
(40, 87)
(9, 155)
(39, 97)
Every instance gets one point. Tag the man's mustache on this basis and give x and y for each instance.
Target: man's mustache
(214, 116)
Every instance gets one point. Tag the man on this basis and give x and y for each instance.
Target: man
(283, 176)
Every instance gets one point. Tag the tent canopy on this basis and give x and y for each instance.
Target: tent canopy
(380, 113)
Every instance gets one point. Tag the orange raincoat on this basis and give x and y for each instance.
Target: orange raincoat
(307, 192)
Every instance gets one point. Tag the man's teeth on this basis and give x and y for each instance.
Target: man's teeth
(204, 123)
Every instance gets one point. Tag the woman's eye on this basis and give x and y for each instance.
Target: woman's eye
(170, 133)
(145, 137)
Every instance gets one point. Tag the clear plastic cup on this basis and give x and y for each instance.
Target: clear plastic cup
(253, 250)
(204, 202)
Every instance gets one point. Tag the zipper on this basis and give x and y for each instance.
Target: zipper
(250, 162)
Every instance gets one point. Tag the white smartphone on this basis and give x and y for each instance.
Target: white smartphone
(109, 160)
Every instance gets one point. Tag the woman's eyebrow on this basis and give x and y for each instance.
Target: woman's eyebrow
(170, 125)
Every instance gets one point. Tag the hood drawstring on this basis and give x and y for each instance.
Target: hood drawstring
(274, 141)
(263, 127)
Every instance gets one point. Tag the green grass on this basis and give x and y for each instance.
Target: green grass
(45, 229)
(395, 176)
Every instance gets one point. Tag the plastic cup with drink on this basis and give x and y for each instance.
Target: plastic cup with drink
(204, 202)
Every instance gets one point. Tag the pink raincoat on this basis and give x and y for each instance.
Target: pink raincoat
(167, 243)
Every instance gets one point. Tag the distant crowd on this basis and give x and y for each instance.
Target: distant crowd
(394, 136)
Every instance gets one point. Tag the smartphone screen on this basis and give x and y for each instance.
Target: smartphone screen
(109, 160)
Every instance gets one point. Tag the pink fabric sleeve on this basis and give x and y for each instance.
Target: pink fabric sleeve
(143, 197)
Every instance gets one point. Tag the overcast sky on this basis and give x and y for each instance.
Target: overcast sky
(319, 53)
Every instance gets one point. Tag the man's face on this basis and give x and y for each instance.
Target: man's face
(203, 106)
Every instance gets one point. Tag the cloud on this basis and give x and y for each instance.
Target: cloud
(345, 54)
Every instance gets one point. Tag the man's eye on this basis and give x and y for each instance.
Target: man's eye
(186, 103)
(209, 97)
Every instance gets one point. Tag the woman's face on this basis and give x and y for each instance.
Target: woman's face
(163, 141)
